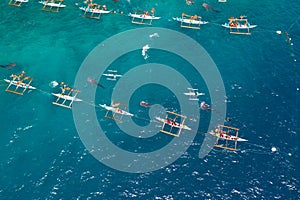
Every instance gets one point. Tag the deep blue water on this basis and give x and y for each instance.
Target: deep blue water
(42, 156)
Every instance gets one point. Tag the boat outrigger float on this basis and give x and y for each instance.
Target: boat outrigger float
(66, 97)
(239, 25)
(94, 10)
(17, 2)
(190, 21)
(173, 124)
(52, 5)
(228, 135)
(20, 83)
(143, 17)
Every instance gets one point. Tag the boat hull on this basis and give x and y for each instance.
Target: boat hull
(96, 11)
(142, 16)
(239, 27)
(227, 137)
(57, 5)
(189, 21)
(180, 126)
(69, 98)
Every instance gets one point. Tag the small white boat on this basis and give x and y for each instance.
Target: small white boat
(57, 5)
(67, 97)
(94, 10)
(173, 123)
(20, 84)
(239, 26)
(227, 136)
(143, 16)
(189, 21)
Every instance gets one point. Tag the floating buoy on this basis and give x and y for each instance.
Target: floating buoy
(273, 149)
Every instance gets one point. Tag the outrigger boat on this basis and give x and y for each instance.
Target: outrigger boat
(17, 2)
(20, 83)
(143, 17)
(112, 75)
(52, 5)
(173, 123)
(225, 136)
(190, 21)
(94, 10)
(239, 25)
(193, 94)
(173, 120)
(224, 133)
(115, 109)
(66, 97)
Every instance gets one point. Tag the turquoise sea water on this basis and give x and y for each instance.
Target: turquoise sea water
(42, 156)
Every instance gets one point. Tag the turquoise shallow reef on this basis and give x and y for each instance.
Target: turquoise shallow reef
(43, 157)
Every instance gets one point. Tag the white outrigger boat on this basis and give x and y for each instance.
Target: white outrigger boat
(17, 2)
(239, 25)
(20, 84)
(66, 97)
(114, 110)
(53, 4)
(143, 17)
(229, 136)
(173, 123)
(190, 21)
(173, 120)
(94, 10)
(22, 1)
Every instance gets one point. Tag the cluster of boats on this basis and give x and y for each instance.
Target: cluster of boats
(93, 10)
(172, 124)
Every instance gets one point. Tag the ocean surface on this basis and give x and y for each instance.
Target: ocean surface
(43, 157)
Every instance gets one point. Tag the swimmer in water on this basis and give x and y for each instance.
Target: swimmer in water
(92, 81)
(145, 104)
(289, 40)
(9, 66)
(204, 106)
